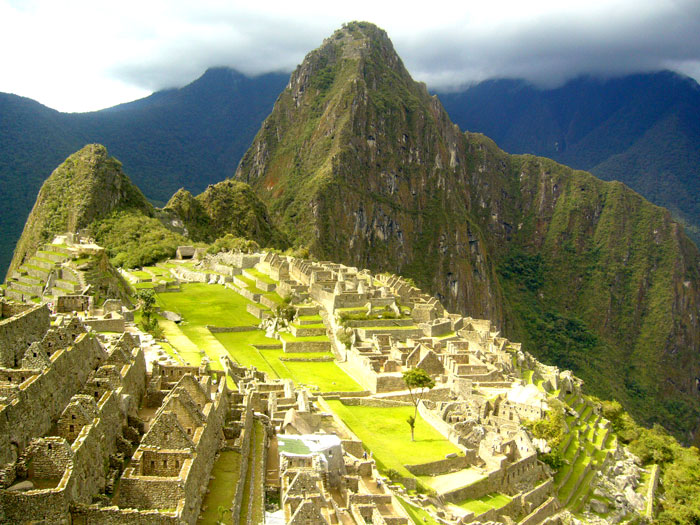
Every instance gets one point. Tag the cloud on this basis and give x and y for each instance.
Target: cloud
(82, 54)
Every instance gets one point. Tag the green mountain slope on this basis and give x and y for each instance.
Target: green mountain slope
(89, 191)
(643, 130)
(359, 162)
(87, 187)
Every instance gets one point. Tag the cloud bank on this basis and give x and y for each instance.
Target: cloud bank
(79, 55)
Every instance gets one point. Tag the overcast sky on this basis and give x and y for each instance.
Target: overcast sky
(80, 55)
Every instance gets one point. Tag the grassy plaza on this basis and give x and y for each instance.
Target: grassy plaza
(386, 433)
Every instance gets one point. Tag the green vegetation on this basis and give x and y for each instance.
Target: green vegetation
(418, 382)
(485, 503)
(231, 243)
(327, 376)
(227, 213)
(417, 514)
(133, 239)
(88, 186)
(222, 489)
(381, 431)
(552, 428)
(204, 304)
(680, 466)
(149, 323)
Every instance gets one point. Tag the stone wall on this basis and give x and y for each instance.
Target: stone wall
(18, 332)
(10, 309)
(511, 508)
(105, 325)
(245, 445)
(373, 402)
(306, 346)
(542, 512)
(42, 398)
(139, 490)
(441, 466)
(96, 515)
(72, 303)
(227, 329)
(47, 506)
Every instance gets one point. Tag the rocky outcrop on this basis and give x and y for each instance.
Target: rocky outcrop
(228, 207)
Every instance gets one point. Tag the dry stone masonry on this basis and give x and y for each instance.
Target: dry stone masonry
(98, 425)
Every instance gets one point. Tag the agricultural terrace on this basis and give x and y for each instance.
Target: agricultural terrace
(207, 304)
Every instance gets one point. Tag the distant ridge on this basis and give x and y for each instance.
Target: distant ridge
(643, 130)
(189, 137)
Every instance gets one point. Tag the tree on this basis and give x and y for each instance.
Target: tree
(148, 301)
(418, 382)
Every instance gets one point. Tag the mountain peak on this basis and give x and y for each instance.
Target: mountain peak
(87, 186)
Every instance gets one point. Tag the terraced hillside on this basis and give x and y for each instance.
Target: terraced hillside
(58, 269)
(236, 313)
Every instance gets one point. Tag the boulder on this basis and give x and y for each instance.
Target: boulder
(636, 500)
(599, 507)
(171, 316)
(22, 486)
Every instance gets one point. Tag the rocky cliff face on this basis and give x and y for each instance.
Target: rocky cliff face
(86, 187)
(228, 207)
(360, 163)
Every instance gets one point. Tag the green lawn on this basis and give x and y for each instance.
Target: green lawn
(417, 514)
(310, 318)
(291, 338)
(186, 349)
(203, 304)
(275, 297)
(261, 276)
(140, 274)
(327, 376)
(204, 340)
(222, 488)
(200, 304)
(485, 503)
(143, 285)
(385, 432)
